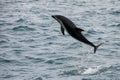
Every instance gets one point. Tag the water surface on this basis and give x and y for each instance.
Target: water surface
(33, 48)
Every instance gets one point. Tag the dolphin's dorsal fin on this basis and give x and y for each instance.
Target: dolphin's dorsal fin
(62, 30)
(78, 29)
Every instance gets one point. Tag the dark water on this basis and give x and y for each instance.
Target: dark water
(33, 48)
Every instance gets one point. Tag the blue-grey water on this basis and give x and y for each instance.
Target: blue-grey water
(32, 46)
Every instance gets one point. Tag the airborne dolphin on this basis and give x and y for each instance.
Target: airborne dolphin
(70, 27)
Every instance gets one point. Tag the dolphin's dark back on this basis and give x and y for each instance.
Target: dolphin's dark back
(67, 22)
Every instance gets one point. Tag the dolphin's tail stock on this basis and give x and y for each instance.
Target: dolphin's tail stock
(96, 47)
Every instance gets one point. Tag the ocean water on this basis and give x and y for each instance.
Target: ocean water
(32, 46)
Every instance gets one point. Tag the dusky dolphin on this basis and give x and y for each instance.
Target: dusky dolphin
(70, 27)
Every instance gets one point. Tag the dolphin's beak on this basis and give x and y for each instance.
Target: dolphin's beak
(53, 16)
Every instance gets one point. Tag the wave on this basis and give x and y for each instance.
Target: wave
(3, 39)
(61, 60)
(91, 70)
(20, 20)
(7, 61)
(34, 59)
(100, 69)
(115, 25)
(3, 60)
(115, 13)
(2, 42)
(23, 28)
(39, 78)
(5, 24)
(71, 73)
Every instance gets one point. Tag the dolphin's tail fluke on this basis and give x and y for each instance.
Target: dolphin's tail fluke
(96, 47)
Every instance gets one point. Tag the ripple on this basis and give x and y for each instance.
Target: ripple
(53, 62)
(70, 73)
(7, 76)
(4, 38)
(115, 25)
(66, 59)
(16, 51)
(91, 31)
(51, 38)
(34, 59)
(27, 41)
(74, 45)
(2, 42)
(60, 60)
(5, 24)
(39, 78)
(87, 79)
(117, 13)
(23, 28)
(20, 20)
(50, 61)
(3, 60)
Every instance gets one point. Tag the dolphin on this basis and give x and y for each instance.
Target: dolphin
(75, 32)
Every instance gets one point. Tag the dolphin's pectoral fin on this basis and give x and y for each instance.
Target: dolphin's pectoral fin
(62, 30)
(78, 29)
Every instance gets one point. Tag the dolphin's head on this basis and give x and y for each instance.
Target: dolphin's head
(53, 16)
(64, 21)
(57, 17)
